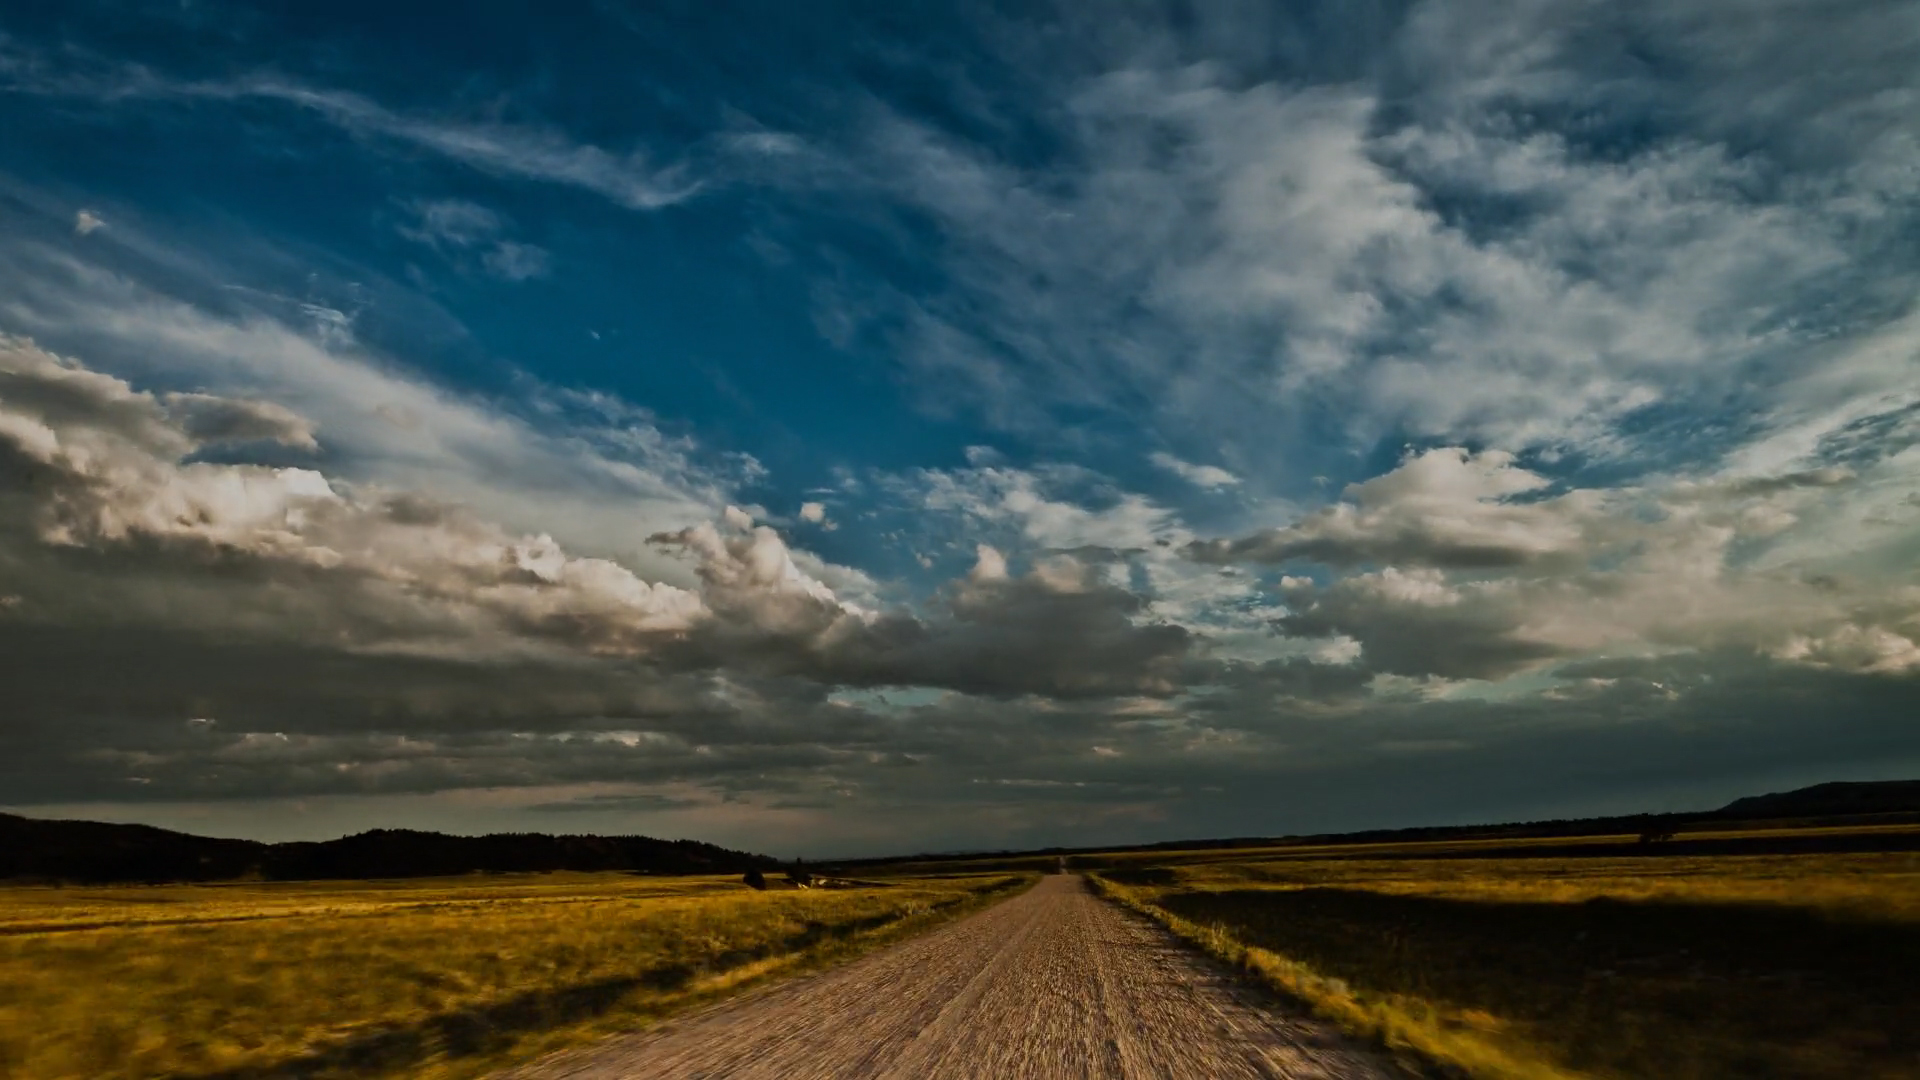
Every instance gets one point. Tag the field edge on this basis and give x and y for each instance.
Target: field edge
(1417, 1039)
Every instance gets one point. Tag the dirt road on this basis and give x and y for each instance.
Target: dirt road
(1052, 983)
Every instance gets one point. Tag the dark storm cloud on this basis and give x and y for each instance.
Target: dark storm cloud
(1057, 630)
(192, 629)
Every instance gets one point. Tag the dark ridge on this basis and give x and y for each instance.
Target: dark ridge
(1839, 803)
(1840, 797)
(91, 852)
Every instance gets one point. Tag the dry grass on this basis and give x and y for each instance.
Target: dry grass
(436, 978)
(1679, 968)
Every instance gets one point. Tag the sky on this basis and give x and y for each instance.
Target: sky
(838, 429)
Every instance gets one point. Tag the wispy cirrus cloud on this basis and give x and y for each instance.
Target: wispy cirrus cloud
(631, 178)
(1234, 254)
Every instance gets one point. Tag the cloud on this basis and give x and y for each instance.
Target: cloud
(1202, 476)
(511, 261)
(1416, 623)
(1059, 629)
(1444, 507)
(630, 179)
(597, 473)
(459, 229)
(452, 223)
(86, 221)
(1417, 243)
(1470, 583)
(813, 512)
(1060, 507)
(101, 477)
(209, 419)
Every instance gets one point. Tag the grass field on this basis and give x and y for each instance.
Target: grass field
(1865, 833)
(1660, 967)
(433, 978)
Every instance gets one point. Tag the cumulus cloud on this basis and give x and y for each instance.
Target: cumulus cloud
(1416, 623)
(102, 470)
(1469, 583)
(595, 472)
(1059, 629)
(1445, 507)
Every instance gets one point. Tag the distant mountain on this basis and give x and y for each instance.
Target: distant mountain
(96, 852)
(1876, 797)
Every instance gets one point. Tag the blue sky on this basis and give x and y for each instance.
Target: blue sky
(853, 429)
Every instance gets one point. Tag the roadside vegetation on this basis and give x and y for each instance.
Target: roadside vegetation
(434, 978)
(1657, 966)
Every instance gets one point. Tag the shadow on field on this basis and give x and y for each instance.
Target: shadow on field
(1683, 991)
(494, 1027)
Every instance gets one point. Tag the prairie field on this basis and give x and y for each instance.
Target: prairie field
(1656, 967)
(437, 978)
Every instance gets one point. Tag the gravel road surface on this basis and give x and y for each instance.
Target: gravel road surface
(1054, 983)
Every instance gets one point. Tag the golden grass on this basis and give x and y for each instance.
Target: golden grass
(1880, 884)
(435, 978)
(1669, 967)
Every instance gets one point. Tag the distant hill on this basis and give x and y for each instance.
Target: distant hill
(1878, 797)
(1823, 804)
(95, 852)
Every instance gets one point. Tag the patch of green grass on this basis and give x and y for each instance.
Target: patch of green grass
(436, 978)
(1675, 968)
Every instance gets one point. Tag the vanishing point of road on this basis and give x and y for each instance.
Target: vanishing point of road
(1053, 983)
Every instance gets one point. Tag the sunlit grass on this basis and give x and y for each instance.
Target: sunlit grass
(425, 978)
(1672, 967)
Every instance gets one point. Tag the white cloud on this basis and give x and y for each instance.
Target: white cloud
(1026, 501)
(630, 178)
(989, 564)
(1476, 585)
(452, 223)
(1202, 476)
(459, 230)
(1443, 507)
(813, 512)
(512, 261)
(594, 472)
(86, 221)
(750, 576)
(1331, 266)
(108, 472)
